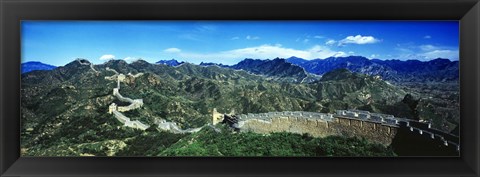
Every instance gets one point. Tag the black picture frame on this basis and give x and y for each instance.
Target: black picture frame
(13, 11)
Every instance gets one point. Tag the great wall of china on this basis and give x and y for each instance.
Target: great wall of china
(380, 128)
(134, 104)
(87, 63)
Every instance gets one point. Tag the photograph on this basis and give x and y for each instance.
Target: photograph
(240, 88)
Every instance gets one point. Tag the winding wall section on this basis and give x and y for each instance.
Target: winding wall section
(380, 128)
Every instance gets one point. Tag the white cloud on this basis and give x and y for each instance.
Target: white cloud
(305, 40)
(433, 52)
(131, 58)
(428, 47)
(266, 51)
(107, 57)
(358, 39)
(323, 52)
(330, 42)
(374, 56)
(427, 37)
(172, 50)
(252, 37)
(427, 52)
(449, 54)
(318, 37)
(235, 38)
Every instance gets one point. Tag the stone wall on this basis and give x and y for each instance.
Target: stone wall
(136, 124)
(316, 128)
(137, 103)
(86, 62)
(128, 123)
(375, 132)
(379, 128)
(425, 129)
(216, 116)
(372, 131)
(173, 127)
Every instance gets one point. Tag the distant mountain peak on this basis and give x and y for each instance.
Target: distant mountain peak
(35, 66)
(294, 57)
(83, 60)
(116, 62)
(33, 62)
(171, 62)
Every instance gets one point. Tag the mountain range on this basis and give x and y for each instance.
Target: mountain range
(193, 78)
(433, 84)
(35, 65)
(437, 70)
(296, 69)
(276, 69)
(67, 107)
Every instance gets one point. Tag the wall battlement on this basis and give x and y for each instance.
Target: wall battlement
(446, 138)
(296, 114)
(128, 123)
(315, 124)
(135, 104)
(87, 63)
(380, 128)
(173, 127)
(113, 77)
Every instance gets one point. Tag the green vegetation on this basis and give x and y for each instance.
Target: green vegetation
(149, 143)
(210, 143)
(207, 142)
(64, 111)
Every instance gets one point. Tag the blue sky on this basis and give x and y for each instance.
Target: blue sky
(228, 42)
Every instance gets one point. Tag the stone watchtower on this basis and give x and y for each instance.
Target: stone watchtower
(120, 78)
(112, 107)
(216, 117)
